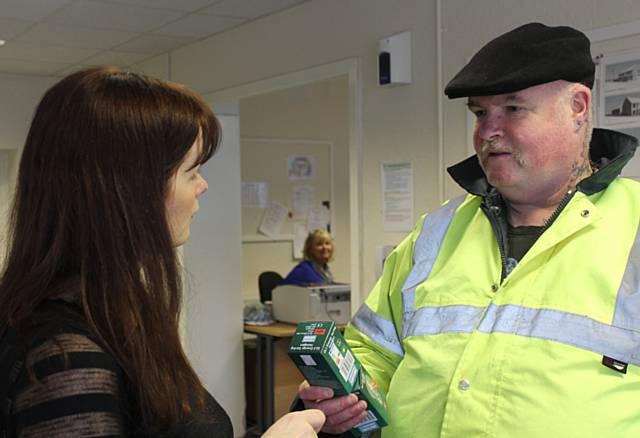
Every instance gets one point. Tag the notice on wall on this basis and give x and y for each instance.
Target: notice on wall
(397, 197)
(299, 236)
(274, 216)
(318, 218)
(254, 194)
(303, 199)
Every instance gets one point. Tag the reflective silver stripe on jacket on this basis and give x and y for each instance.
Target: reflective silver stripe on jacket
(425, 252)
(378, 329)
(382, 331)
(627, 313)
(568, 328)
(444, 319)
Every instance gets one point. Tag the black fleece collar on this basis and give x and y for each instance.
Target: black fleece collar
(609, 150)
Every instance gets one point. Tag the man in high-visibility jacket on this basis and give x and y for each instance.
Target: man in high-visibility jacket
(514, 311)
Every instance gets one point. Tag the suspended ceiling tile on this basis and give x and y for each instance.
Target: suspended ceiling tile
(117, 59)
(153, 45)
(11, 27)
(70, 69)
(29, 9)
(198, 26)
(180, 5)
(115, 16)
(72, 36)
(30, 67)
(71, 31)
(31, 52)
(249, 8)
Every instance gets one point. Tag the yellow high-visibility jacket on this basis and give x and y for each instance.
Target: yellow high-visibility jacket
(466, 345)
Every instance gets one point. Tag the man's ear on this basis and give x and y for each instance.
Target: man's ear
(581, 104)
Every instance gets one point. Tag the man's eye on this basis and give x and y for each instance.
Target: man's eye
(514, 109)
(478, 113)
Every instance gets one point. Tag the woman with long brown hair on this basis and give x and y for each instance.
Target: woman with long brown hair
(90, 293)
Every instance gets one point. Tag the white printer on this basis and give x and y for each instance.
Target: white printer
(329, 302)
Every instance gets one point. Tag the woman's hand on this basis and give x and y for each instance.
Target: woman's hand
(342, 413)
(301, 424)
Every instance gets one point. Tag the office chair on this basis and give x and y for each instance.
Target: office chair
(266, 282)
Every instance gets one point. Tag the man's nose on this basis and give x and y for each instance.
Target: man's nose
(490, 126)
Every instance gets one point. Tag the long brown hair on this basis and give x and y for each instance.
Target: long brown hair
(90, 204)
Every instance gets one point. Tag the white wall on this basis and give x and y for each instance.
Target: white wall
(20, 96)
(212, 260)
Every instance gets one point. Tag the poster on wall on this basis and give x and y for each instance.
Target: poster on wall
(617, 101)
(300, 167)
(397, 197)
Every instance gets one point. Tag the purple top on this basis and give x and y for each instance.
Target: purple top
(305, 273)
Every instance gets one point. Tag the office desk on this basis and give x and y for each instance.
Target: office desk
(277, 376)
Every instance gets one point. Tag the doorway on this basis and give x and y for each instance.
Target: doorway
(350, 70)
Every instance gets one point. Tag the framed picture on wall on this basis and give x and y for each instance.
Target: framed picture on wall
(617, 98)
(618, 88)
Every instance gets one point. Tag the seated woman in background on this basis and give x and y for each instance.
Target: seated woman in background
(91, 290)
(314, 269)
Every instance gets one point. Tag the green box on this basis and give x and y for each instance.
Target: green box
(367, 390)
(324, 359)
(323, 356)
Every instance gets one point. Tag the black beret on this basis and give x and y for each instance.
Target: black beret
(529, 55)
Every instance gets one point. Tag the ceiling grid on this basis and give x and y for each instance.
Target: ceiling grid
(54, 37)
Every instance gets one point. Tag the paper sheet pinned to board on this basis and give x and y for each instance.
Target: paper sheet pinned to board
(274, 216)
(318, 218)
(303, 198)
(299, 236)
(254, 194)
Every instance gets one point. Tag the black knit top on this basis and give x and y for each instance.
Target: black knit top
(81, 393)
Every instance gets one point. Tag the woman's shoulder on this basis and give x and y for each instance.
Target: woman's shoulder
(59, 325)
(68, 381)
(217, 423)
(305, 266)
(71, 382)
(302, 273)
